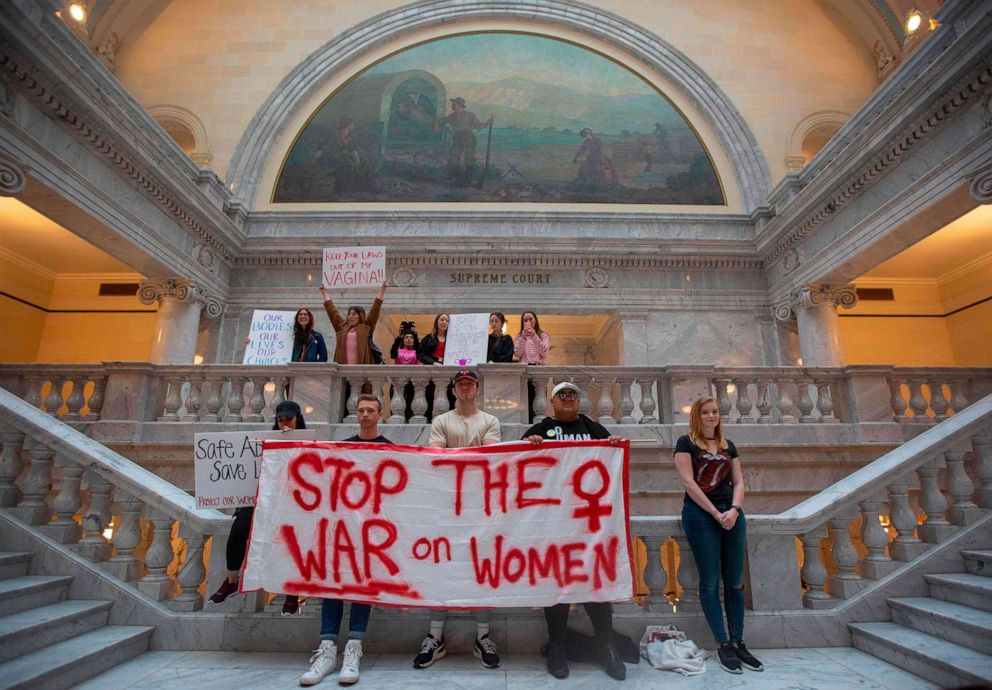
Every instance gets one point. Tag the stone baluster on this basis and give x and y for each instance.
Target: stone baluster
(722, 398)
(257, 401)
(917, 402)
(906, 546)
(688, 576)
(540, 396)
(784, 403)
(963, 511)
(378, 386)
(124, 564)
(397, 404)
(744, 403)
(351, 404)
(825, 401)
(10, 467)
(236, 398)
(280, 384)
(959, 400)
(441, 404)
(647, 404)
(53, 401)
(156, 583)
(626, 401)
(64, 528)
(813, 572)
(936, 528)
(655, 576)
(419, 404)
(32, 390)
(876, 563)
(938, 403)
(605, 403)
(846, 582)
(74, 403)
(764, 403)
(96, 399)
(214, 400)
(35, 487)
(898, 401)
(194, 399)
(585, 402)
(191, 573)
(981, 445)
(173, 401)
(805, 403)
(94, 546)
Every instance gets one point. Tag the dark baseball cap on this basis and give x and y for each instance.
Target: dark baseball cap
(288, 408)
(465, 374)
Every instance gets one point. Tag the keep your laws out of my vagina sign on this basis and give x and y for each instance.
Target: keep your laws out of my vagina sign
(507, 525)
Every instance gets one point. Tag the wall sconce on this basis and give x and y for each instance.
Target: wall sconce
(914, 20)
(78, 12)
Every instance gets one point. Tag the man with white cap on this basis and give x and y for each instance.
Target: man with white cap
(568, 425)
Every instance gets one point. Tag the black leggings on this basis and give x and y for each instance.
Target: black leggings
(600, 613)
(237, 540)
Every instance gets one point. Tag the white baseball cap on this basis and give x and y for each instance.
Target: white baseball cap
(565, 386)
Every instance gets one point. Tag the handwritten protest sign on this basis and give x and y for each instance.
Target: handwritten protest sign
(270, 337)
(505, 525)
(354, 267)
(467, 340)
(226, 465)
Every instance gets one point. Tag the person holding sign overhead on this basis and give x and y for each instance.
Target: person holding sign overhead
(289, 417)
(354, 332)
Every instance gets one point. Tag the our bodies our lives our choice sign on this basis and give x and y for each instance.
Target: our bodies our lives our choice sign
(352, 267)
(506, 525)
(270, 337)
(226, 465)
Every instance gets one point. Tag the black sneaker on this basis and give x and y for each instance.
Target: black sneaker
(291, 606)
(747, 658)
(728, 658)
(612, 663)
(557, 659)
(225, 590)
(485, 651)
(430, 651)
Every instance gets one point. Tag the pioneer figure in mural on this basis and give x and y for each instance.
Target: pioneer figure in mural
(463, 123)
(345, 159)
(596, 166)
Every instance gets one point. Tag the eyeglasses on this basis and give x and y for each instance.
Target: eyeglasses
(568, 395)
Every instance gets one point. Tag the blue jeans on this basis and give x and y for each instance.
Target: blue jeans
(331, 611)
(718, 552)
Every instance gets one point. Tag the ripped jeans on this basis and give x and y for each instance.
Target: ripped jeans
(718, 553)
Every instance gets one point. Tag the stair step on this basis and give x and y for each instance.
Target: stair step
(939, 661)
(962, 588)
(28, 631)
(978, 561)
(29, 591)
(67, 663)
(14, 564)
(963, 625)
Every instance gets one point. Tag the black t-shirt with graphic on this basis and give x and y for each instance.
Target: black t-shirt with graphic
(377, 439)
(710, 470)
(580, 429)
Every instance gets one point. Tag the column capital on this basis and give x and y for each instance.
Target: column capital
(810, 296)
(981, 187)
(181, 290)
(13, 176)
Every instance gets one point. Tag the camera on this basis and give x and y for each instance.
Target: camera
(408, 327)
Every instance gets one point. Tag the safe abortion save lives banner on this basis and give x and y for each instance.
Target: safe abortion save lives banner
(506, 525)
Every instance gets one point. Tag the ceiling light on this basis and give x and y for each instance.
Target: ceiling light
(77, 11)
(913, 21)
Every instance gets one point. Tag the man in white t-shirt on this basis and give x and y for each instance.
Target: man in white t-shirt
(466, 426)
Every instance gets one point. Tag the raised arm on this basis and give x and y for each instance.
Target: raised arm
(332, 313)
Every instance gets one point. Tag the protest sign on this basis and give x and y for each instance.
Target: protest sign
(226, 465)
(354, 267)
(270, 337)
(467, 340)
(505, 525)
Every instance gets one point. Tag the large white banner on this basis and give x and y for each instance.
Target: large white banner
(270, 337)
(351, 267)
(226, 465)
(467, 340)
(506, 525)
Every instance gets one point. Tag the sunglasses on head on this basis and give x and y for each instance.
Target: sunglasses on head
(568, 395)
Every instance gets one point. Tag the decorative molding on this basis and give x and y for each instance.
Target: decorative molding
(981, 187)
(811, 296)
(28, 265)
(182, 290)
(818, 121)
(13, 176)
(892, 154)
(596, 277)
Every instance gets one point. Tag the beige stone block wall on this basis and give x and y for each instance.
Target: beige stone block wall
(778, 60)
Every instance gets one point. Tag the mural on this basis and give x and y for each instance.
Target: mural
(498, 117)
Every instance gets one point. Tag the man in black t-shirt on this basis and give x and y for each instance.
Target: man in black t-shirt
(568, 425)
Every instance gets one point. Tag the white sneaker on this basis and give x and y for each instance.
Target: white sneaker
(349, 667)
(323, 661)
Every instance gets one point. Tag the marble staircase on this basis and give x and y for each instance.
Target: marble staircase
(946, 637)
(48, 640)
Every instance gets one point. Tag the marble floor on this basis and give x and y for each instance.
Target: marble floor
(801, 669)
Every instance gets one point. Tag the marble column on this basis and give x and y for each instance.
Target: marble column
(177, 325)
(815, 309)
(634, 345)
